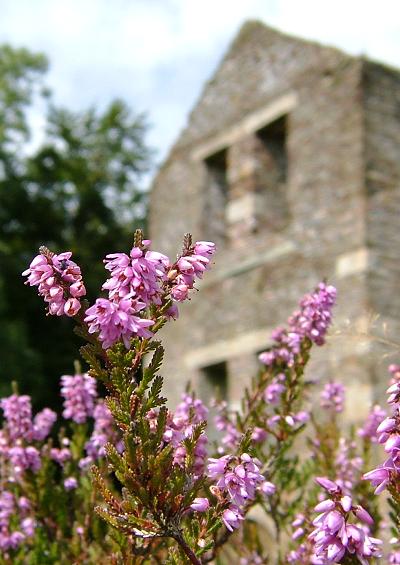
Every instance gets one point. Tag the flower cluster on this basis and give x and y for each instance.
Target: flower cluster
(311, 321)
(153, 477)
(334, 535)
(32, 463)
(314, 317)
(238, 479)
(18, 414)
(114, 320)
(275, 389)
(103, 431)
(19, 432)
(137, 276)
(16, 523)
(180, 426)
(59, 281)
(371, 424)
(348, 464)
(394, 554)
(303, 554)
(190, 266)
(79, 392)
(332, 396)
(139, 280)
(42, 423)
(223, 423)
(389, 435)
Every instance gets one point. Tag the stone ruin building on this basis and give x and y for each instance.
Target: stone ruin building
(290, 162)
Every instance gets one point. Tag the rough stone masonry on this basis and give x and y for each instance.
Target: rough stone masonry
(290, 162)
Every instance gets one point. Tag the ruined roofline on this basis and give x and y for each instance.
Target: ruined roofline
(246, 31)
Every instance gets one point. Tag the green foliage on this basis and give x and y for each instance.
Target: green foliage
(21, 75)
(81, 188)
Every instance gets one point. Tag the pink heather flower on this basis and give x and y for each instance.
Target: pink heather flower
(180, 426)
(103, 431)
(200, 504)
(232, 517)
(332, 396)
(388, 433)
(180, 292)
(290, 419)
(387, 425)
(334, 535)
(363, 515)
(183, 274)
(301, 417)
(79, 392)
(222, 422)
(370, 428)
(348, 464)
(18, 414)
(394, 370)
(24, 503)
(325, 506)
(117, 320)
(238, 478)
(60, 455)
(328, 485)
(59, 281)
(11, 517)
(267, 488)
(311, 321)
(7, 504)
(72, 307)
(394, 557)
(216, 467)
(298, 533)
(70, 483)
(204, 248)
(28, 526)
(191, 409)
(394, 393)
(315, 314)
(42, 424)
(273, 391)
(138, 275)
(172, 313)
(379, 477)
(258, 435)
(24, 458)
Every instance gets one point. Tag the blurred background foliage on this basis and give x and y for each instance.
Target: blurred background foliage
(80, 189)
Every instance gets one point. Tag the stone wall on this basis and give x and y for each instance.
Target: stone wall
(382, 180)
(297, 208)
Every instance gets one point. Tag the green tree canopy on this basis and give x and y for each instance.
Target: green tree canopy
(82, 184)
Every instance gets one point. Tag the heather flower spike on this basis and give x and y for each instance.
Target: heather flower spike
(59, 281)
(335, 535)
(310, 322)
(386, 475)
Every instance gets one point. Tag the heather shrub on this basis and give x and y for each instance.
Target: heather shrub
(125, 479)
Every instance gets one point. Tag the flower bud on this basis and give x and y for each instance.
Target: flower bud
(387, 425)
(200, 504)
(346, 503)
(363, 515)
(325, 506)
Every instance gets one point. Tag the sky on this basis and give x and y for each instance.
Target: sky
(157, 54)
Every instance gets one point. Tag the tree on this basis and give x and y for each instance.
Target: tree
(82, 184)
